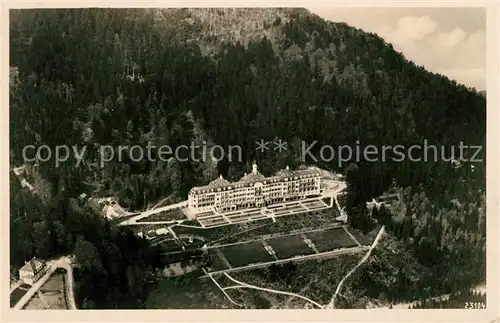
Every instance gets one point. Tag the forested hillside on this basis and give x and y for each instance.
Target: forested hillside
(128, 77)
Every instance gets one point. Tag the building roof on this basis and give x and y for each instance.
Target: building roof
(34, 265)
(251, 178)
(285, 172)
(219, 182)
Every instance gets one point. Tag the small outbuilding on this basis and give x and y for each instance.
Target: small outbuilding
(32, 271)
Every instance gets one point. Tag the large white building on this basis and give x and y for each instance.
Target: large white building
(254, 190)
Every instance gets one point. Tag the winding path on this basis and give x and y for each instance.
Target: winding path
(222, 289)
(245, 285)
(331, 305)
(63, 262)
(145, 214)
(36, 286)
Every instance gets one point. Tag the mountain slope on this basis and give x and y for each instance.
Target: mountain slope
(125, 77)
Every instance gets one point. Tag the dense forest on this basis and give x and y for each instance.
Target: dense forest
(123, 77)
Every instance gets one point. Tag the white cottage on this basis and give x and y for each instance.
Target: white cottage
(32, 271)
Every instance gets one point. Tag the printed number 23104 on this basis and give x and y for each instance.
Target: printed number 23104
(475, 305)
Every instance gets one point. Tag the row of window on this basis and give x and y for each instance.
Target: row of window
(268, 185)
(243, 194)
(240, 200)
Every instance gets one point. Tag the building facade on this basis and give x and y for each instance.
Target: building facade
(32, 271)
(254, 190)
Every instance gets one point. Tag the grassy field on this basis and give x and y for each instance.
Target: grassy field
(289, 246)
(315, 279)
(51, 295)
(53, 291)
(331, 239)
(255, 299)
(245, 254)
(35, 303)
(187, 292)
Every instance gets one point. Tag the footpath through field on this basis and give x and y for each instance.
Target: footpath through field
(245, 285)
(63, 262)
(331, 305)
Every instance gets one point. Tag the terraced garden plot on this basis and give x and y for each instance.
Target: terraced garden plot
(290, 246)
(331, 239)
(243, 215)
(314, 204)
(246, 254)
(249, 219)
(275, 206)
(176, 214)
(292, 204)
(213, 221)
(285, 211)
(315, 207)
(208, 233)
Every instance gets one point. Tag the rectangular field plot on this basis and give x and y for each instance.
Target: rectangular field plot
(282, 212)
(365, 239)
(253, 218)
(234, 217)
(246, 254)
(275, 206)
(331, 239)
(217, 262)
(315, 207)
(290, 246)
(315, 204)
(213, 221)
(17, 294)
(205, 214)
